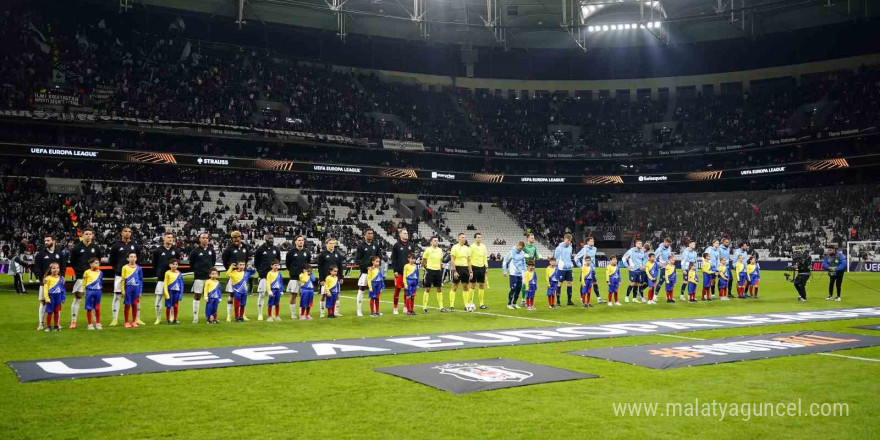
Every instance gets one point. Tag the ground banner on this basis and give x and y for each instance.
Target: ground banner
(156, 362)
(462, 377)
(736, 349)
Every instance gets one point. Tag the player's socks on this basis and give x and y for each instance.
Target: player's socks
(440, 299)
(425, 299)
(89, 316)
(616, 299)
(260, 296)
(98, 313)
(651, 294)
(293, 310)
(397, 297)
(195, 310)
(360, 301)
(596, 290)
(158, 306)
(583, 298)
(167, 313)
(42, 312)
(713, 289)
(176, 309)
(482, 293)
(568, 291)
(74, 310)
(114, 307)
(125, 314)
(756, 291)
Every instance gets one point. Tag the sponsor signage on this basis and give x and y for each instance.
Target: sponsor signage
(391, 144)
(741, 348)
(653, 178)
(442, 175)
(462, 377)
(759, 171)
(212, 161)
(14, 149)
(157, 362)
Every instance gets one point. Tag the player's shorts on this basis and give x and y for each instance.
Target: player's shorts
(293, 286)
(117, 284)
(262, 286)
(651, 283)
(40, 292)
(229, 286)
(374, 293)
(742, 280)
(55, 301)
(411, 290)
(362, 280)
(398, 281)
(707, 279)
(463, 275)
(198, 286)
(565, 275)
(692, 288)
(612, 288)
(433, 278)
(586, 287)
(515, 281)
(479, 275)
(130, 296)
(160, 288)
(551, 291)
(755, 281)
(684, 275)
(669, 286)
(635, 276)
(530, 294)
(722, 283)
(275, 299)
(306, 296)
(78, 286)
(93, 298)
(241, 297)
(173, 297)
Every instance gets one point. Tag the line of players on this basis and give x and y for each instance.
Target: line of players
(647, 270)
(469, 263)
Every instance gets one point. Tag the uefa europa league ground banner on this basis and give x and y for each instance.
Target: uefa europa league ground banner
(221, 357)
(740, 348)
(462, 377)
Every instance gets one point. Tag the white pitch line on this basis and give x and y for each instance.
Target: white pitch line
(487, 313)
(680, 337)
(850, 357)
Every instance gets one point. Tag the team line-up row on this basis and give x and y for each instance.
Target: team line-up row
(647, 271)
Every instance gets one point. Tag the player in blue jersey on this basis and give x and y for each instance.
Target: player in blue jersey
(563, 254)
(662, 253)
(589, 250)
(635, 259)
(688, 257)
(713, 265)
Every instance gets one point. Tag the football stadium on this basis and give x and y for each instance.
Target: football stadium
(500, 219)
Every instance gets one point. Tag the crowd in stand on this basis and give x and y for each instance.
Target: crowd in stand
(116, 69)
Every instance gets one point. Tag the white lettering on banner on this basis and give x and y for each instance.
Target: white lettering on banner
(63, 152)
(391, 144)
(543, 179)
(185, 359)
(337, 169)
(262, 353)
(761, 171)
(424, 342)
(652, 178)
(330, 349)
(211, 161)
(114, 364)
(447, 176)
(55, 99)
(136, 363)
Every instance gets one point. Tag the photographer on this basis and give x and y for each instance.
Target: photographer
(803, 265)
(835, 263)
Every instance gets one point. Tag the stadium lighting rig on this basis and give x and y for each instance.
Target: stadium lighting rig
(624, 26)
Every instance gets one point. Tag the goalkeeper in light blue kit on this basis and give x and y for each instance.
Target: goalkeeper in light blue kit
(589, 250)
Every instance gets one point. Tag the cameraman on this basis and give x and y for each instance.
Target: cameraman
(803, 265)
(835, 263)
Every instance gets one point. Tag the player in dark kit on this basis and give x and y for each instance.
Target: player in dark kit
(118, 257)
(48, 255)
(265, 254)
(329, 257)
(161, 258)
(399, 260)
(85, 250)
(235, 252)
(363, 255)
(201, 260)
(297, 258)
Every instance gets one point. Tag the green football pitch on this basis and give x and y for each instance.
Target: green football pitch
(345, 398)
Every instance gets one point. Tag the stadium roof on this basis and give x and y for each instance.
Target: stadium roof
(541, 23)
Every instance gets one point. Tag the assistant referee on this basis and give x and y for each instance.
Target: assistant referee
(432, 261)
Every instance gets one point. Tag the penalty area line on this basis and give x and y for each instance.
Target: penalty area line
(850, 357)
